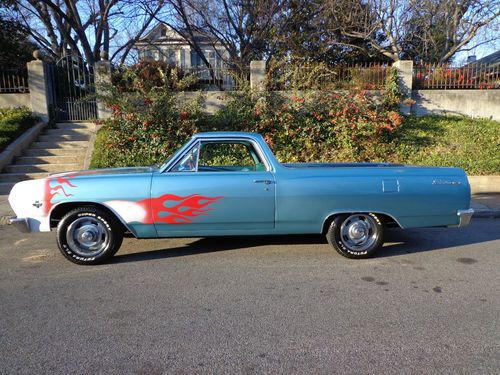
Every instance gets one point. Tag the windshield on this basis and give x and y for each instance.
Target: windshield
(174, 155)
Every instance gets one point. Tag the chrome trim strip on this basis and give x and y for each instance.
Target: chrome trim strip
(21, 224)
(465, 217)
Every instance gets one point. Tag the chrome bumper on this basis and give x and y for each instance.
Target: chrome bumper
(21, 224)
(465, 216)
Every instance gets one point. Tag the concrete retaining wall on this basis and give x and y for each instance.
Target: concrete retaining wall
(484, 184)
(15, 100)
(473, 103)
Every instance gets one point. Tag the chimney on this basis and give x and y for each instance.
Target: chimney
(471, 59)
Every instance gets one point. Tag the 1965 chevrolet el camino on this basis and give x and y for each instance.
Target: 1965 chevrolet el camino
(221, 184)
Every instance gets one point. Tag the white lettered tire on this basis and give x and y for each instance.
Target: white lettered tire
(88, 235)
(356, 235)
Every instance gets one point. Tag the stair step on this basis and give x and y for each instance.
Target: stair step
(67, 145)
(25, 160)
(76, 125)
(57, 132)
(16, 177)
(52, 168)
(62, 138)
(80, 152)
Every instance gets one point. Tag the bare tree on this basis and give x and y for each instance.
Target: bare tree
(242, 28)
(86, 27)
(393, 27)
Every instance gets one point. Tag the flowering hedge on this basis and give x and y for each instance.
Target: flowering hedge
(323, 126)
(149, 123)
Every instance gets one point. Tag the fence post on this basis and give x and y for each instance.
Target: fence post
(405, 71)
(257, 75)
(102, 74)
(39, 87)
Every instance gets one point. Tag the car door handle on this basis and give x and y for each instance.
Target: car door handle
(267, 182)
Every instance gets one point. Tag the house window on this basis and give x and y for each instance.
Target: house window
(163, 32)
(195, 59)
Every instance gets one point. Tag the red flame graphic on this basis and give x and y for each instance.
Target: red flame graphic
(52, 191)
(181, 213)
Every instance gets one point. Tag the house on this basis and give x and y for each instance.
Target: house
(164, 43)
(490, 60)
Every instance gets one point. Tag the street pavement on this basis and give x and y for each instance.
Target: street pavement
(427, 304)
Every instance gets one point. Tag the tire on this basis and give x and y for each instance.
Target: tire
(89, 235)
(356, 235)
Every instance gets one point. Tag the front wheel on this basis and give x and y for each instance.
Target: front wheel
(356, 235)
(88, 235)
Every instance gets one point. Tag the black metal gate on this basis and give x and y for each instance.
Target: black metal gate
(74, 90)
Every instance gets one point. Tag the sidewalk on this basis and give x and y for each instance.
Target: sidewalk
(484, 205)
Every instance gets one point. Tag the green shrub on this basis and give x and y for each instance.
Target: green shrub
(323, 126)
(13, 123)
(146, 125)
(326, 126)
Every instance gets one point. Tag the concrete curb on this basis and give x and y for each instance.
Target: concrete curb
(484, 184)
(4, 220)
(16, 147)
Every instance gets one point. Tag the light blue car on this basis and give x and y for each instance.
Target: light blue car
(229, 183)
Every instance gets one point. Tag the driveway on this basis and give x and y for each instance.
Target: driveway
(429, 303)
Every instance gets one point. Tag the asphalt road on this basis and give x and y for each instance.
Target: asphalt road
(429, 303)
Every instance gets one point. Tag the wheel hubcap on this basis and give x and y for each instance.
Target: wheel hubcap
(87, 236)
(358, 232)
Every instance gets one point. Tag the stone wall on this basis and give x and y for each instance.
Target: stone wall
(15, 100)
(473, 103)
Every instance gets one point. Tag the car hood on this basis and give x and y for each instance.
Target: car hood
(104, 172)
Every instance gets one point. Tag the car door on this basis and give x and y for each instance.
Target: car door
(216, 187)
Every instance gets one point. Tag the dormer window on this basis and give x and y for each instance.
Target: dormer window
(163, 32)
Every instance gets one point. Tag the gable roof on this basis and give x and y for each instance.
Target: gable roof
(171, 36)
(492, 60)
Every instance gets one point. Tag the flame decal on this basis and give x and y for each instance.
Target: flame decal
(54, 191)
(173, 209)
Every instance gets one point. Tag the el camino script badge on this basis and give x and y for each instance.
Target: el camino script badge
(446, 182)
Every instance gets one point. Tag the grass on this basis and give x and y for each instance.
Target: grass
(13, 123)
(471, 144)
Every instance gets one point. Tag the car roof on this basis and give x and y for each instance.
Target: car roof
(228, 135)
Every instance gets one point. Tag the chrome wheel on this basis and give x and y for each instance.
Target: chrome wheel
(358, 232)
(87, 237)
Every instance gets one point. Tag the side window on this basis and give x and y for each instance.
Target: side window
(188, 162)
(229, 157)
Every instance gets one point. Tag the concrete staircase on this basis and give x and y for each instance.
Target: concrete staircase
(56, 150)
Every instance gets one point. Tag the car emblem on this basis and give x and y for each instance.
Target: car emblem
(38, 204)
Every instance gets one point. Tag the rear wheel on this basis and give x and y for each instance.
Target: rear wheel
(88, 235)
(356, 235)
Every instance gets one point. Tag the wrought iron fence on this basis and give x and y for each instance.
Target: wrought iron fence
(14, 81)
(444, 77)
(220, 77)
(319, 76)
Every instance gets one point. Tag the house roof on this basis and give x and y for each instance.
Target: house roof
(493, 59)
(171, 36)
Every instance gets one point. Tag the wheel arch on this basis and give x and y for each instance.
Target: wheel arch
(58, 212)
(387, 219)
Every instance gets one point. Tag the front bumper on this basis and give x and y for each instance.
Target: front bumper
(464, 216)
(20, 223)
